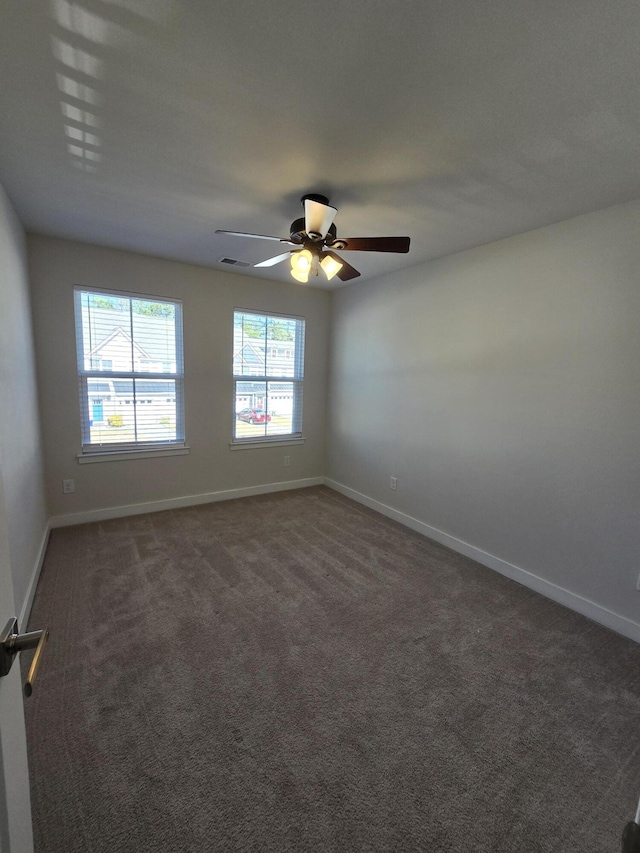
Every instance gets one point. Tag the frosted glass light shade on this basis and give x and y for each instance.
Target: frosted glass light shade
(300, 265)
(330, 266)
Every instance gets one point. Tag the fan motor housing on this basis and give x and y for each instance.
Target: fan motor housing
(300, 236)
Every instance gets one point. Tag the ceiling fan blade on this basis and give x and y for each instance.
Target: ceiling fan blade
(318, 217)
(256, 236)
(347, 272)
(373, 244)
(271, 262)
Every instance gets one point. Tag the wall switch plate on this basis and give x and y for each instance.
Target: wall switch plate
(68, 487)
(287, 461)
(638, 584)
(393, 483)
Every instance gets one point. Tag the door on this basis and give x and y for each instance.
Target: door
(15, 804)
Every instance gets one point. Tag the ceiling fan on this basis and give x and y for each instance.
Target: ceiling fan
(315, 238)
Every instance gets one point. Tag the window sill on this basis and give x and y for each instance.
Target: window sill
(267, 442)
(120, 455)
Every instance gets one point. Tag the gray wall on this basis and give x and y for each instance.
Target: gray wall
(501, 386)
(20, 449)
(209, 298)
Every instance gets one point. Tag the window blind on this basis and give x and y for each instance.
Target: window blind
(268, 372)
(130, 371)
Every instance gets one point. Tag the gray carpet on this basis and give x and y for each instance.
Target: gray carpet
(294, 672)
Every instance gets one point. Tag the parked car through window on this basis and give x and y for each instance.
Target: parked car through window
(254, 416)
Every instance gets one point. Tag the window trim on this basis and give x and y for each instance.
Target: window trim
(128, 450)
(121, 455)
(297, 382)
(275, 441)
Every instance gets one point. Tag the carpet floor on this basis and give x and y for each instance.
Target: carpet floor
(294, 672)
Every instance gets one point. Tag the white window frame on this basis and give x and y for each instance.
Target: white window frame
(136, 449)
(297, 381)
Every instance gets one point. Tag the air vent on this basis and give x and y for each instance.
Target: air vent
(233, 262)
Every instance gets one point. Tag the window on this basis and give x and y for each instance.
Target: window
(270, 350)
(129, 353)
(101, 364)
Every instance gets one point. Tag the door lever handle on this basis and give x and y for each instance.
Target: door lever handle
(11, 642)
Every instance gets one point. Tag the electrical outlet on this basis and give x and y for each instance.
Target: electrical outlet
(393, 483)
(287, 461)
(68, 487)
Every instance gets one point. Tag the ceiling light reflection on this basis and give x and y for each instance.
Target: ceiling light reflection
(76, 19)
(82, 135)
(81, 116)
(87, 153)
(77, 90)
(74, 132)
(77, 59)
(84, 167)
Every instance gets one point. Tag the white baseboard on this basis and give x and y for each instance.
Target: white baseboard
(177, 503)
(572, 600)
(23, 618)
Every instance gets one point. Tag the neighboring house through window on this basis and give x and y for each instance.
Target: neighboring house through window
(270, 350)
(130, 371)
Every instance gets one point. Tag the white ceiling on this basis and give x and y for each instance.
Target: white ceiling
(455, 122)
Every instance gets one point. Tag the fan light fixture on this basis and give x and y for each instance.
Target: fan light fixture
(330, 266)
(301, 265)
(305, 263)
